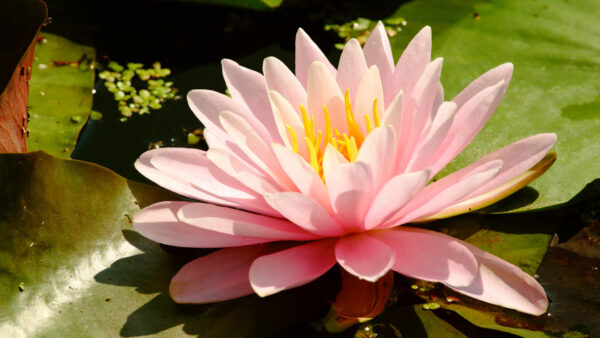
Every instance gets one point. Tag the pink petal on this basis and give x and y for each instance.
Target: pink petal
(308, 52)
(351, 192)
(418, 111)
(468, 121)
(446, 191)
(255, 147)
(175, 183)
(306, 213)
(412, 63)
(303, 175)
(379, 53)
(351, 68)
(379, 151)
(324, 91)
(280, 79)
(393, 116)
(250, 88)
(433, 138)
(331, 159)
(364, 256)
(369, 90)
(208, 104)
(240, 223)
(219, 276)
(285, 115)
(292, 267)
(159, 222)
(431, 256)
(393, 196)
(523, 162)
(490, 78)
(501, 283)
(240, 173)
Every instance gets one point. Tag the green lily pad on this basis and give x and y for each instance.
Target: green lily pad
(250, 4)
(71, 262)
(60, 96)
(554, 46)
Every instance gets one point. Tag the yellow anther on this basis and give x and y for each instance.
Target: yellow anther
(369, 125)
(376, 114)
(353, 129)
(327, 125)
(308, 131)
(293, 137)
(312, 155)
(352, 149)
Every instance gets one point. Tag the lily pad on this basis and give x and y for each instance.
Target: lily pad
(250, 4)
(554, 46)
(60, 94)
(71, 262)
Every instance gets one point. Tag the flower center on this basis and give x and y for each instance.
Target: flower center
(347, 144)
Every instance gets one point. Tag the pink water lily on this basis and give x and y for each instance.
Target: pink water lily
(334, 164)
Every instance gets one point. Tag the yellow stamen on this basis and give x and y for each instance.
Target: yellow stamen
(369, 125)
(327, 125)
(312, 155)
(376, 114)
(293, 137)
(353, 129)
(352, 149)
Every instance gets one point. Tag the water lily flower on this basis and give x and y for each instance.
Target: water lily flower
(334, 165)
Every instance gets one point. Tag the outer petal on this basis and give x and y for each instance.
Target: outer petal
(379, 53)
(240, 223)
(501, 283)
(519, 168)
(393, 196)
(174, 183)
(412, 63)
(159, 223)
(308, 52)
(351, 68)
(490, 78)
(446, 191)
(306, 213)
(280, 79)
(351, 192)
(468, 121)
(364, 256)
(292, 267)
(430, 256)
(250, 88)
(219, 276)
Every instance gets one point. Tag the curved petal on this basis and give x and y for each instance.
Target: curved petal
(446, 191)
(292, 267)
(364, 256)
(159, 223)
(369, 90)
(514, 175)
(280, 79)
(218, 276)
(501, 73)
(430, 256)
(351, 192)
(468, 121)
(174, 183)
(351, 68)
(308, 52)
(331, 159)
(303, 175)
(306, 213)
(378, 52)
(255, 147)
(250, 88)
(379, 151)
(324, 91)
(285, 116)
(501, 283)
(412, 62)
(240, 223)
(393, 196)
